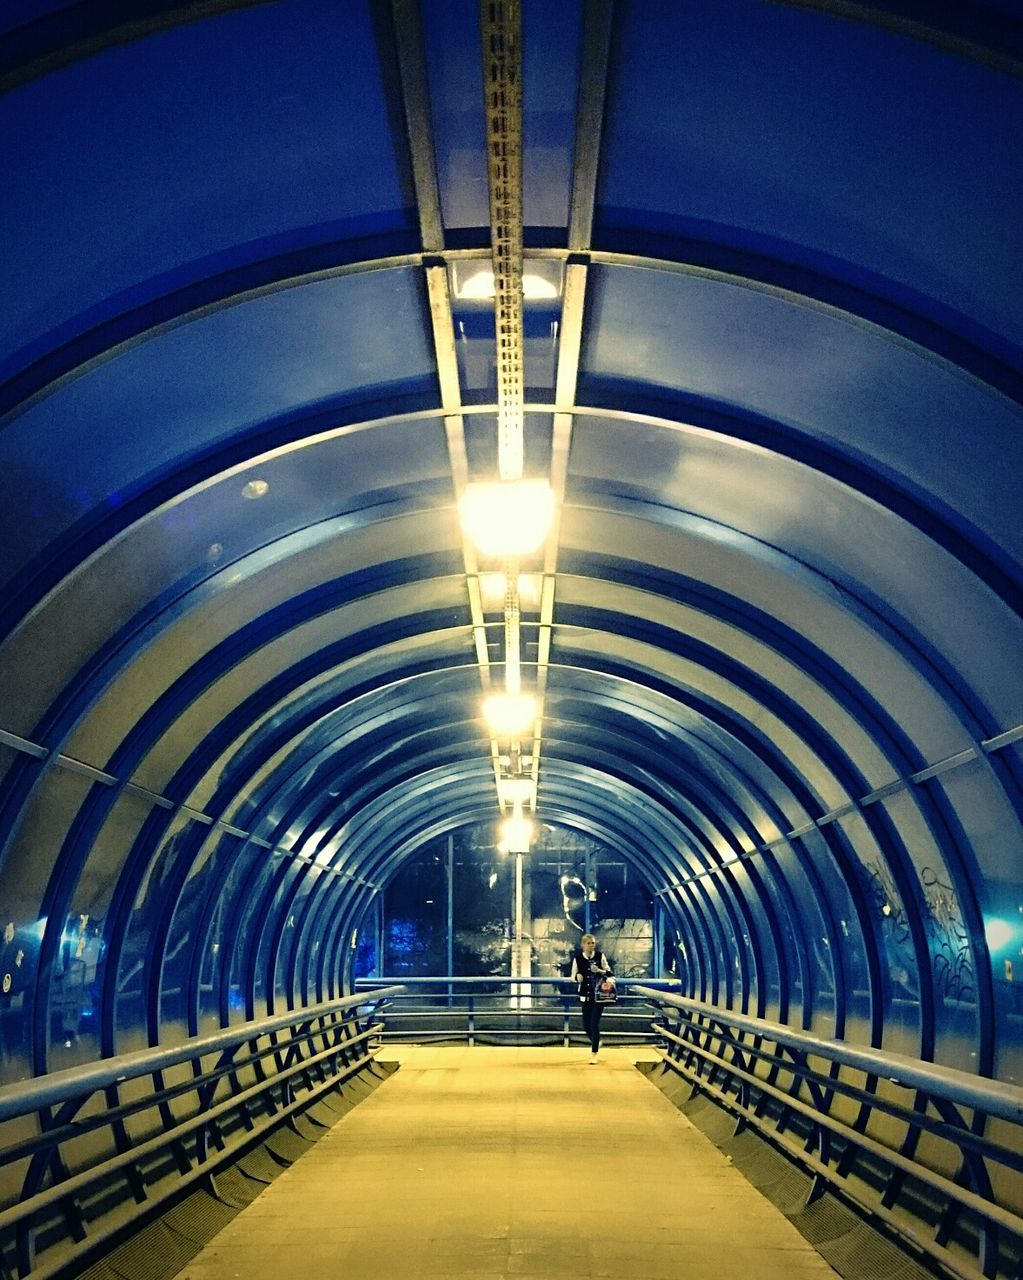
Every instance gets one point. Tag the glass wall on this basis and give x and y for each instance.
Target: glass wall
(452, 910)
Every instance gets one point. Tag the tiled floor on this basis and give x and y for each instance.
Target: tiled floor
(487, 1163)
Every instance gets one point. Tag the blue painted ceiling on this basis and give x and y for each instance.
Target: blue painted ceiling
(786, 642)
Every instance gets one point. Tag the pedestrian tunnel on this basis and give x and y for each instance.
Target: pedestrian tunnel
(479, 472)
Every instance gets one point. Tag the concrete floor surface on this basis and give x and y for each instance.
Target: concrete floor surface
(511, 1164)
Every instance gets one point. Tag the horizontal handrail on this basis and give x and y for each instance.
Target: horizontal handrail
(784, 1083)
(988, 1209)
(501, 1007)
(124, 1159)
(272, 1069)
(371, 984)
(991, 1096)
(25, 1096)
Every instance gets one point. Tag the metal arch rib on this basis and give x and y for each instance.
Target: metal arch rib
(416, 100)
(596, 42)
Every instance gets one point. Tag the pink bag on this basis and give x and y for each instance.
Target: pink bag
(604, 991)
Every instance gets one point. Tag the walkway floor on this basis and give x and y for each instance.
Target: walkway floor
(507, 1164)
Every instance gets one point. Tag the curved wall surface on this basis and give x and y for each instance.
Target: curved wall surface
(772, 369)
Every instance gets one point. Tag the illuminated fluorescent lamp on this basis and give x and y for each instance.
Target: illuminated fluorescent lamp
(509, 714)
(480, 286)
(514, 791)
(507, 517)
(516, 834)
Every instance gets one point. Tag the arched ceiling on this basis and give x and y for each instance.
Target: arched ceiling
(775, 384)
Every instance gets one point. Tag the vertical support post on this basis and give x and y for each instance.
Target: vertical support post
(517, 939)
(382, 936)
(657, 965)
(451, 914)
(588, 876)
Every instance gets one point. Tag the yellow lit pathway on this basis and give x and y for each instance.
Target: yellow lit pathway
(511, 1162)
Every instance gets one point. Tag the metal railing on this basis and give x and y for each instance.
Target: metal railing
(89, 1153)
(507, 1010)
(929, 1154)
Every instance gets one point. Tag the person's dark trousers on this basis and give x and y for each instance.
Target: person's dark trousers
(591, 1022)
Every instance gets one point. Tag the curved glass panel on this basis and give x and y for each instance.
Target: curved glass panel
(232, 879)
(186, 938)
(887, 115)
(234, 187)
(325, 354)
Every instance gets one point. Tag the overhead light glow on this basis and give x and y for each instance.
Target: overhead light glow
(494, 585)
(513, 673)
(516, 834)
(509, 714)
(480, 286)
(507, 518)
(515, 790)
(536, 288)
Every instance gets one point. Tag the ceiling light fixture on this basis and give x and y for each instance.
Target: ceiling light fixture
(509, 714)
(512, 791)
(516, 834)
(507, 517)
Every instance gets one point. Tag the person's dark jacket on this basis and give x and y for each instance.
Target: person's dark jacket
(588, 969)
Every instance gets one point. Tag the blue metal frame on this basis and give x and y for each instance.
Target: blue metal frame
(762, 774)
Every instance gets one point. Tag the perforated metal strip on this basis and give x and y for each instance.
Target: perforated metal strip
(501, 24)
(501, 31)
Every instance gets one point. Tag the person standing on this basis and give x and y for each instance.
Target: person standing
(590, 966)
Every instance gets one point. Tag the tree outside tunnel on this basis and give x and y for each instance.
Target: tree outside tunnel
(450, 910)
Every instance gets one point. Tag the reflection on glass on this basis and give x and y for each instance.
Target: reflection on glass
(19, 947)
(451, 909)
